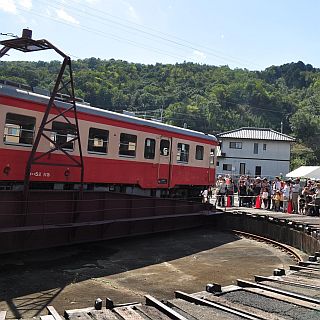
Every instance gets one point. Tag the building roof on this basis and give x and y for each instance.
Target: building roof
(256, 134)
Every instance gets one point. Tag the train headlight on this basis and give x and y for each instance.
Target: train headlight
(7, 169)
(67, 172)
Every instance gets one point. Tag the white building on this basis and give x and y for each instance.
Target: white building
(255, 152)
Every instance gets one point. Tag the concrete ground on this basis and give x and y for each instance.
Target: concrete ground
(125, 270)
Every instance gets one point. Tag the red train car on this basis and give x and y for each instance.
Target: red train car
(120, 152)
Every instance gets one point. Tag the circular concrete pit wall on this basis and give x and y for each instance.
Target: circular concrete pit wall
(301, 236)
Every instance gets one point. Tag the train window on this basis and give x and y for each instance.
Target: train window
(199, 152)
(128, 145)
(19, 129)
(149, 148)
(63, 135)
(183, 152)
(98, 140)
(164, 147)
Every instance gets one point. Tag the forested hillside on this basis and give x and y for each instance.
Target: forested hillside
(202, 97)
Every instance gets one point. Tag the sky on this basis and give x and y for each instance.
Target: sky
(251, 34)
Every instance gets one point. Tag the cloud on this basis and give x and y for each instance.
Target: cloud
(132, 13)
(63, 15)
(92, 1)
(8, 6)
(26, 4)
(199, 55)
(48, 12)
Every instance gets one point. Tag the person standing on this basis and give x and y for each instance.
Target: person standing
(276, 185)
(296, 190)
(221, 188)
(277, 200)
(317, 199)
(264, 197)
(257, 191)
(242, 193)
(285, 196)
(230, 191)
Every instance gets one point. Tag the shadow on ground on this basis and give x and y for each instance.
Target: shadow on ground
(126, 269)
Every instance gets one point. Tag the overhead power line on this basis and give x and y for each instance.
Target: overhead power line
(105, 35)
(102, 16)
(137, 29)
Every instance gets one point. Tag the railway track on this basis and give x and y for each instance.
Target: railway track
(287, 294)
(293, 293)
(279, 245)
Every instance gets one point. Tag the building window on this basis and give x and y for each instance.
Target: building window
(255, 148)
(264, 147)
(199, 152)
(227, 167)
(19, 129)
(164, 147)
(242, 168)
(235, 145)
(128, 145)
(217, 163)
(149, 148)
(258, 171)
(63, 134)
(212, 156)
(183, 152)
(98, 140)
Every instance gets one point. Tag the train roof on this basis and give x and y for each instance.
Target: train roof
(22, 93)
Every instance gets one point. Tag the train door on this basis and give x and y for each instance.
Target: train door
(212, 165)
(165, 160)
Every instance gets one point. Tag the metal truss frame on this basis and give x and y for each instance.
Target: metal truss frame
(64, 85)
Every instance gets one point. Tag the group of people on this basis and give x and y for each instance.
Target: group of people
(278, 194)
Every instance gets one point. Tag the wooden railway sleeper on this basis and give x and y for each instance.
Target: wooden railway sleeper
(245, 284)
(151, 301)
(190, 298)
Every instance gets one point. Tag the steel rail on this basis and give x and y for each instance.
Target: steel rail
(291, 283)
(301, 268)
(246, 284)
(310, 264)
(270, 241)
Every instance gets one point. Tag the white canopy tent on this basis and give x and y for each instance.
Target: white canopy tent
(312, 172)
